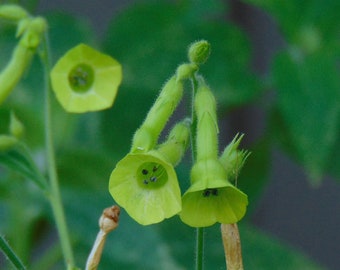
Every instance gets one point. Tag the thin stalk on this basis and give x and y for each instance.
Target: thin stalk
(199, 231)
(10, 254)
(55, 197)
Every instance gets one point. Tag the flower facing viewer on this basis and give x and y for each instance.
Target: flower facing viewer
(86, 80)
(146, 184)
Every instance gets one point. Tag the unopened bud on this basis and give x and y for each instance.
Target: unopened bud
(199, 52)
(13, 12)
(176, 144)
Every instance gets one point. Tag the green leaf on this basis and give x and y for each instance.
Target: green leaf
(19, 160)
(10, 254)
(308, 100)
(259, 250)
(294, 16)
(255, 174)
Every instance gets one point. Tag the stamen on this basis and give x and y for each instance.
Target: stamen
(155, 169)
(145, 182)
(214, 192)
(206, 193)
(153, 179)
(144, 171)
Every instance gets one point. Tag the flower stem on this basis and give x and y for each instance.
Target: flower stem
(199, 248)
(55, 197)
(232, 246)
(199, 231)
(13, 258)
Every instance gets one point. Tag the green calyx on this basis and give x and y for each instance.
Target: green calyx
(233, 159)
(81, 78)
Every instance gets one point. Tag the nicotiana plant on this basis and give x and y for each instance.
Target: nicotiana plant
(144, 182)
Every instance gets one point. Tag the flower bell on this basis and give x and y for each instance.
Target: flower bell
(145, 183)
(86, 80)
(211, 197)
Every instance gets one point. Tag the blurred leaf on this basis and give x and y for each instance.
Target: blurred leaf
(260, 251)
(255, 173)
(308, 100)
(85, 169)
(295, 16)
(18, 159)
(157, 45)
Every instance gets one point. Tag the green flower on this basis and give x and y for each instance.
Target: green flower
(146, 185)
(211, 197)
(30, 38)
(86, 80)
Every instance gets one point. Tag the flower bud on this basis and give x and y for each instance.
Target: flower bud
(33, 33)
(13, 12)
(16, 128)
(199, 52)
(176, 144)
(14, 70)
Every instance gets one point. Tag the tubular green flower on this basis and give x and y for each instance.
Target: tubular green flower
(147, 135)
(211, 197)
(146, 185)
(86, 80)
(21, 56)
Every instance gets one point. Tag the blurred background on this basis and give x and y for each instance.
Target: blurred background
(274, 68)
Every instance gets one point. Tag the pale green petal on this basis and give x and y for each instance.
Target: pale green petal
(100, 77)
(146, 203)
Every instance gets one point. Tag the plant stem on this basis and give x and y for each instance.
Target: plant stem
(199, 231)
(55, 197)
(13, 258)
(199, 248)
(232, 246)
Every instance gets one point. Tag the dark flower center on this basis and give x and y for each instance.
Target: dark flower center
(152, 175)
(210, 191)
(81, 78)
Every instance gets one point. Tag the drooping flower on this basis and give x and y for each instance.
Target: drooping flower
(86, 80)
(146, 185)
(211, 197)
(30, 37)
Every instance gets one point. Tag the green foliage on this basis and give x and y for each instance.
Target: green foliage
(303, 119)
